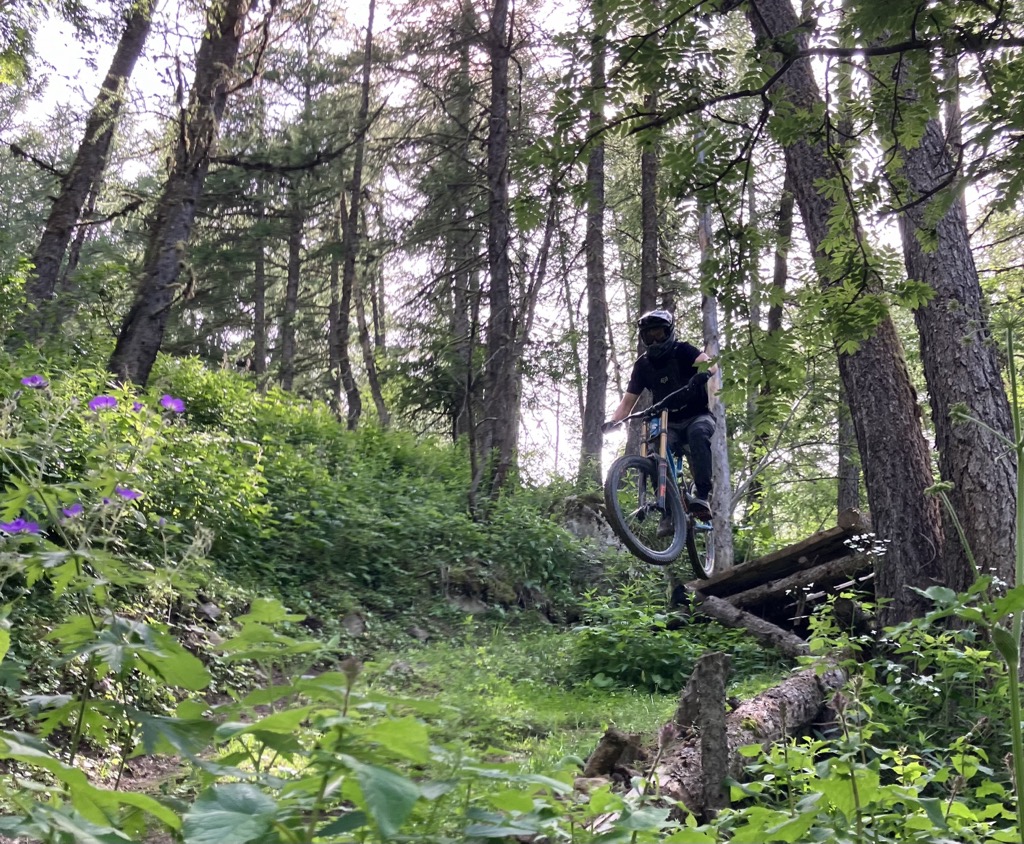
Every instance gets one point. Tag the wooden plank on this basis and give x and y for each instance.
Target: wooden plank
(823, 546)
(825, 575)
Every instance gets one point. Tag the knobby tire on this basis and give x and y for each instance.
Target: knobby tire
(636, 526)
(701, 548)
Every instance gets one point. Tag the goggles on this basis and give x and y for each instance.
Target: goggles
(654, 334)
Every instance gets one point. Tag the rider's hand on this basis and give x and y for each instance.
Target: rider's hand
(699, 380)
(610, 425)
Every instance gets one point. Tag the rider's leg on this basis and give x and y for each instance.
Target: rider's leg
(698, 437)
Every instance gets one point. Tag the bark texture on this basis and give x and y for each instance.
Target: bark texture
(883, 405)
(290, 310)
(960, 365)
(351, 242)
(597, 303)
(501, 383)
(764, 631)
(142, 331)
(91, 158)
(702, 705)
(784, 710)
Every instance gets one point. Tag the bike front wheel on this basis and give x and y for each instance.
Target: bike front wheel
(700, 545)
(631, 500)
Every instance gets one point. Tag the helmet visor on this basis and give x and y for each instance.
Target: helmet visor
(653, 334)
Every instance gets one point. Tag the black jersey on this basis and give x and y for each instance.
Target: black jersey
(669, 374)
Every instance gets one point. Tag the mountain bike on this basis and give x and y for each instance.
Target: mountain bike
(642, 490)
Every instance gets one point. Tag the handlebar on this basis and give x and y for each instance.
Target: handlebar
(656, 408)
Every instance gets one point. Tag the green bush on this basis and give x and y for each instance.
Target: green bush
(290, 500)
(625, 641)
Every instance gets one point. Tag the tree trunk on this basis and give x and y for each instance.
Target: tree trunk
(342, 334)
(784, 710)
(894, 455)
(722, 491)
(501, 392)
(649, 216)
(369, 358)
(597, 303)
(259, 298)
(848, 466)
(355, 215)
(465, 263)
(779, 712)
(296, 225)
(90, 160)
(142, 331)
(780, 274)
(960, 365)
(334, 332)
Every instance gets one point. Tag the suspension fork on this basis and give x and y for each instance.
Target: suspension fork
(663, 460)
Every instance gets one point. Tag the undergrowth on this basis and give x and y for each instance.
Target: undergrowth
(132, 625)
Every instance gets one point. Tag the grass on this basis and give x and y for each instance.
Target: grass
(515, 691)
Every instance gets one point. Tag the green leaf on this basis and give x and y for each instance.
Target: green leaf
(645, 818)
(405, 737)
(267, 611)
(1007, 645)
(389, 797)
(235, 813)
(690, 836)
(163, 734)
(941, 595)
(933, 809)
(512, 801)
(1011, 602)
(346, 823)
(177, 667)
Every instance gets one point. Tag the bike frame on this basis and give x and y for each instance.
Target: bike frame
(656, 429)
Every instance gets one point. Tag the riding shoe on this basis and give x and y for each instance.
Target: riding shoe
(666, 527)
(701, 509)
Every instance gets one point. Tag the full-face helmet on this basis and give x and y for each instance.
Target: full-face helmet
(657, 332)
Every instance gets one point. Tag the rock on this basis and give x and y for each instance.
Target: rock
(582, 516)
(473, 606)
(210, 610)
(417, 633)
(354, 624)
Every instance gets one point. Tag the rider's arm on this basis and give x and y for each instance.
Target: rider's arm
(713, 383)
(625, 406)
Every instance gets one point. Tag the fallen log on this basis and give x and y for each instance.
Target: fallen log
(764, 631)
(784, 710)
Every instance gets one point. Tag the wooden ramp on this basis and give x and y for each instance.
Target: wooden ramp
(782, 587)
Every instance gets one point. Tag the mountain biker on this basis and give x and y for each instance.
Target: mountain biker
(668, 365)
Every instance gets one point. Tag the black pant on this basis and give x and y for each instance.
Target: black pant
(694, 435)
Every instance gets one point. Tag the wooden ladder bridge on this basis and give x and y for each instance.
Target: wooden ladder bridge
(780, 589)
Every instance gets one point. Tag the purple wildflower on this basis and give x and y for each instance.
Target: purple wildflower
(137, 406)
(103, 403)
(75, 509)
(36, 382)
(19, 525)
(126, 493)
(161, 521)
(105, 501)
(173, 404)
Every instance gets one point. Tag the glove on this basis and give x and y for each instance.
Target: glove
(694, 389)
(699, 380)
(609, 426)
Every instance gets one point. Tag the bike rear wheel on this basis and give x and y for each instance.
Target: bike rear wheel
(700, 545)
(631, 497)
